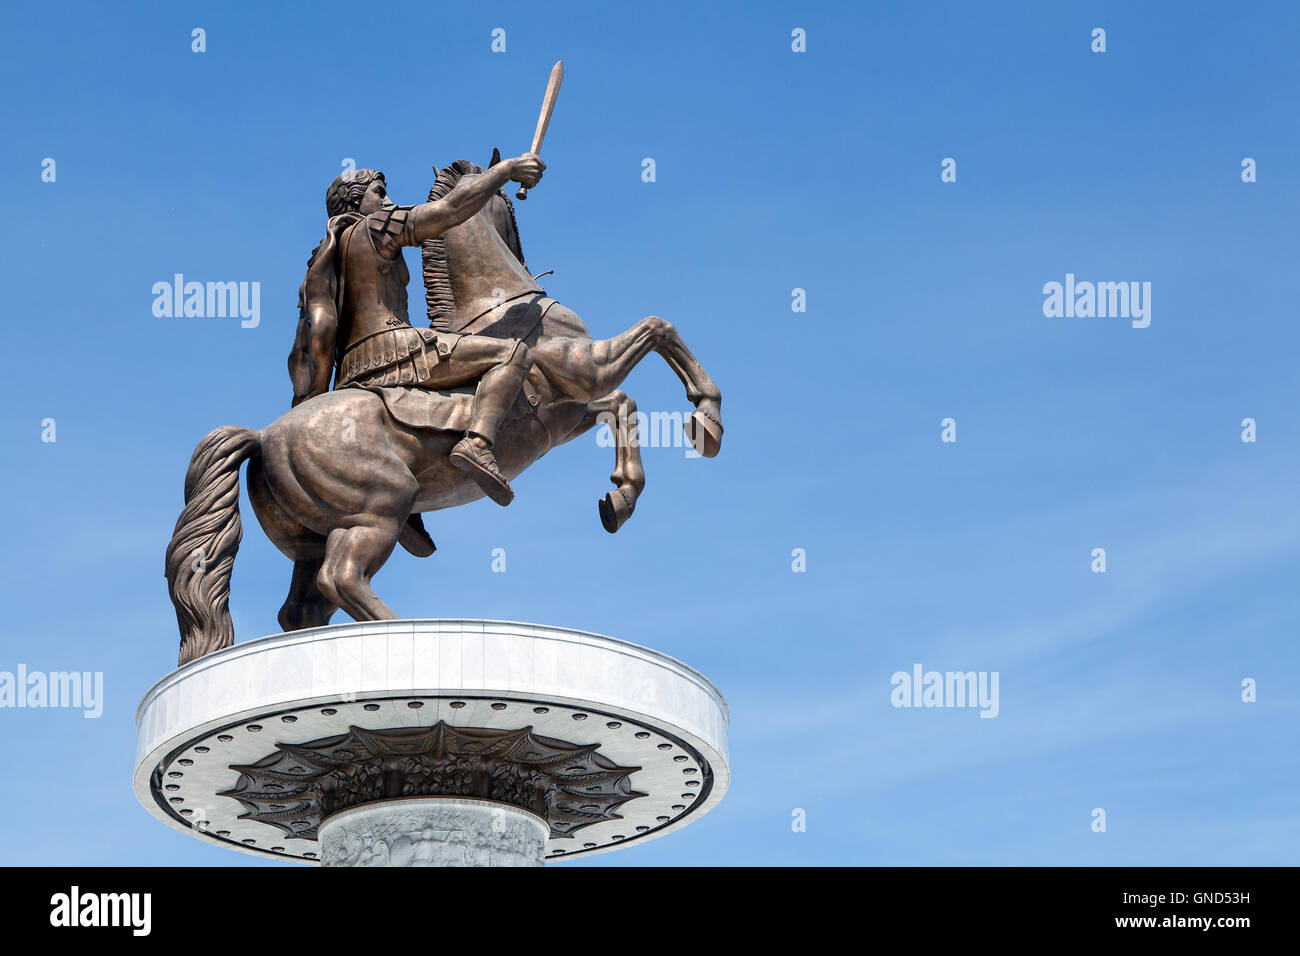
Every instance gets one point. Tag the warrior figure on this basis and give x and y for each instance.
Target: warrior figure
(353, 324)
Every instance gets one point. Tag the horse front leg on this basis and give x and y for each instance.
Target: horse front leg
(586, 370)
(618, 411)
(704, 428)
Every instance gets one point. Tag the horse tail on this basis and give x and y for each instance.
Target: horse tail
(203, 546)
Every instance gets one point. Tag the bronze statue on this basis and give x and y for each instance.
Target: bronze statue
(418, 419)
(357, 273)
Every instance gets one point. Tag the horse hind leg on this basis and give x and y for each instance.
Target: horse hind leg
(352, 556)
(306, 606)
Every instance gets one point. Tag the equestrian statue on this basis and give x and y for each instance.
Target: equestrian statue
(389, 420)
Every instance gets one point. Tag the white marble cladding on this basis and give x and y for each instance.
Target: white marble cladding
(430, 657)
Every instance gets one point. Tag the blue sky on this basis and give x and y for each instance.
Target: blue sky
(775, 170)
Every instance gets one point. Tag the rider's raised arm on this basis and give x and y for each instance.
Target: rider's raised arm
(431, 219)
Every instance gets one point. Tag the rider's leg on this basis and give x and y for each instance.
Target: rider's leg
(497, 391)
(500, 367)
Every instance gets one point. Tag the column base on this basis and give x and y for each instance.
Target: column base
(433, 831)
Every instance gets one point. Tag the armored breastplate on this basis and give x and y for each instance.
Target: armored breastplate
(374, 286)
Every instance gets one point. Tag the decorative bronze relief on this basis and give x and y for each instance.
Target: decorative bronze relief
(568, 785)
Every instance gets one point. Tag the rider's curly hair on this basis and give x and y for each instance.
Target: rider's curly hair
(344, 194)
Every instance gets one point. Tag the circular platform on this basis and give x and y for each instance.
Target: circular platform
(234, 748)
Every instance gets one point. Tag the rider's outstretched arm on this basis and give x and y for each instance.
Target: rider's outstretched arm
(431, 219)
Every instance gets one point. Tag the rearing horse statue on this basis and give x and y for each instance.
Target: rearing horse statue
(334, 480)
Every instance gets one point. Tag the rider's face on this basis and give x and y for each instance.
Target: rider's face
(375, 199)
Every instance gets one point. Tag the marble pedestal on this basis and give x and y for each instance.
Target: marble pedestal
(431, 742)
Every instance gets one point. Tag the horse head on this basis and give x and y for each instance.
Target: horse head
(502, 211)
(499, 210)
(478, 260)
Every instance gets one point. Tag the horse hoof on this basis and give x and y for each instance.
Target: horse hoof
(615, 509)
(704, 431)
(415, 539)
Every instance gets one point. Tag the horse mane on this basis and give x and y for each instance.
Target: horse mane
(438, 295)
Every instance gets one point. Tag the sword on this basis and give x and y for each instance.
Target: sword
(544, 120)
